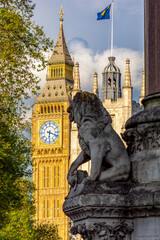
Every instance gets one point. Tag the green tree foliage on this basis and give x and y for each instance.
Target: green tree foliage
(46, 231)
(22, 46)
(18, 223)
(15, 152)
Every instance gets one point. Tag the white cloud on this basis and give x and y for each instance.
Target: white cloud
(91, 62)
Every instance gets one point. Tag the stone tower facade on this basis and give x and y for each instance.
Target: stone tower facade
(51, 138)
(111, 81)
(119, 107)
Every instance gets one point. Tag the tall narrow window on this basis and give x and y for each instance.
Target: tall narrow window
(45, 109)
(54, 176)
(47, 176)
(47, 208)
(54, 72)
(61, 72)
(51, 109)
(109, 82)
(44, 208)
(41, 109)
(58, 176)
(57, 207)
(44, 177)
(54, 207)
(51, 72)
(114, 82)
(48, 109)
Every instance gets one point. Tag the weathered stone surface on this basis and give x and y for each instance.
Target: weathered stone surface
(107, 206)
(142, 136)
(98, 140)
(146, 229)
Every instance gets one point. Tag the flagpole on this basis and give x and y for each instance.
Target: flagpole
(112, 32)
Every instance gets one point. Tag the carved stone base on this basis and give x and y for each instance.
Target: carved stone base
(114, 211)
(142, 136)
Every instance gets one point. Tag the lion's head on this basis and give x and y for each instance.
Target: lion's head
(85, 104)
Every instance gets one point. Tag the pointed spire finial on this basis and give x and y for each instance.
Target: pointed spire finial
(76, 77)
(143, 90)
(76, 87)
(127, 80)
(61, 13)
(95, 84)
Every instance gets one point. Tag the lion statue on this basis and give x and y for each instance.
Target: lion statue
(98, 141)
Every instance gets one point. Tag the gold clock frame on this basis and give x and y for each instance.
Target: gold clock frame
(58, 142)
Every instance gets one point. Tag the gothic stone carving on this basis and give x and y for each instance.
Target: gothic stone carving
(145, 136)
(103, 231)
(98, 141)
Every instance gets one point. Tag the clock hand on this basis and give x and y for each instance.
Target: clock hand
(53, 133)
(49, 133)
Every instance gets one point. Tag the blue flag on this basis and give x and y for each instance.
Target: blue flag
(105, 14)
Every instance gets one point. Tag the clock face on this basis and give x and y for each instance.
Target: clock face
(49, 132)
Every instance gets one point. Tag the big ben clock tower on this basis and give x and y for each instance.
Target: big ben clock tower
(51, 137)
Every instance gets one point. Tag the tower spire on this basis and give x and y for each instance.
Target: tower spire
(143, 90)
(127, 80)
(95, 84)
(76, 87)
(61, 13)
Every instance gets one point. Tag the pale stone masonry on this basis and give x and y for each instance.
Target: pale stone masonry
(121, 109)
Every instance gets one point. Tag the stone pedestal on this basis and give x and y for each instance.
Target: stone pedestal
(142, 136)
(115, 211)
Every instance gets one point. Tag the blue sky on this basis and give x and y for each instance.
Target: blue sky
(90, 39)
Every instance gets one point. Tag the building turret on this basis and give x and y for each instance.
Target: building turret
(59, 80)
(95, 84)
(60, 64)
(127, 94)
(111, 81)
(76, 87)
(143, 89)
(127, 80)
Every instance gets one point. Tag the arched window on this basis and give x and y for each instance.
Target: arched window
(44, 208)
(44, 109)
(114, 82)
(54, 207)
(51, 109)
(41, 110)
(57, 207)
(47, 208)
(48, 109)
(109, 82)
(54, 176)
(51, 72)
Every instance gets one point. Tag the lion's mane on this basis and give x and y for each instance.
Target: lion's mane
(88, 105)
